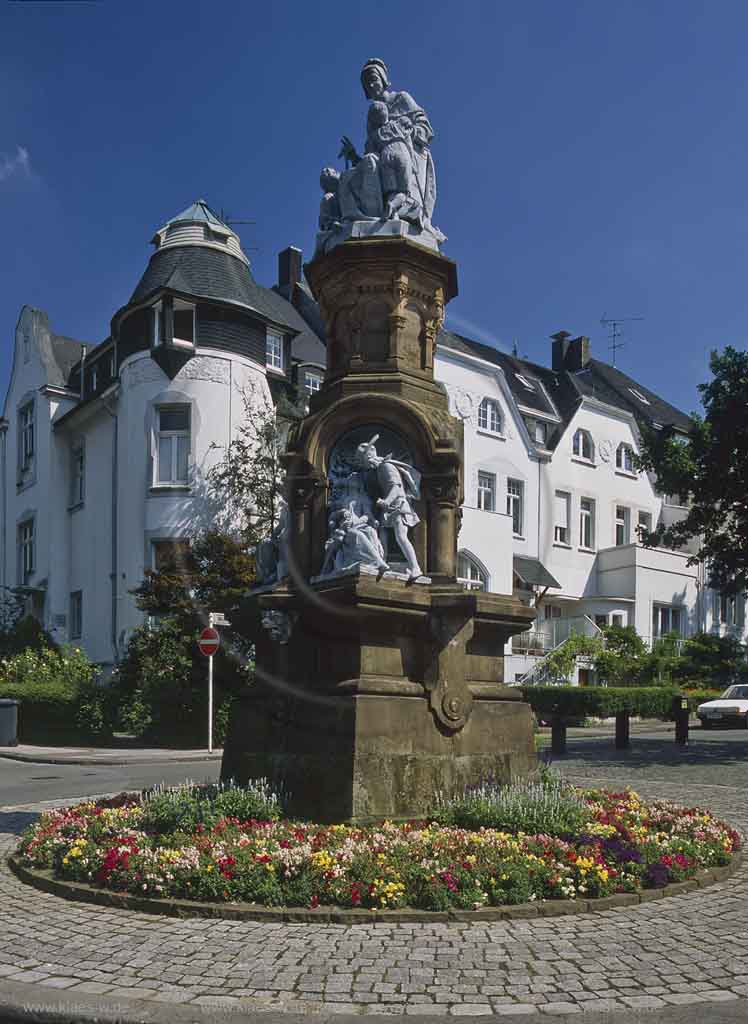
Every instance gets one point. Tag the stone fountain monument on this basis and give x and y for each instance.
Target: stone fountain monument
(379, 677)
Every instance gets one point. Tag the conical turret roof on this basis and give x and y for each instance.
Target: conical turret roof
(199, 225)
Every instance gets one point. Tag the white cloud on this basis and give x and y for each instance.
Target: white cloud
(475, 331)
(15, 164)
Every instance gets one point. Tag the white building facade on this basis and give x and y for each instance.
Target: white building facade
(106, 449)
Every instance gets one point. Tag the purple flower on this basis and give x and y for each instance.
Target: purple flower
(657, 875)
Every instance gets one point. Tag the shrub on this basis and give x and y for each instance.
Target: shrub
(59, 695)
(162, 689)
(546, 807)
(168, 809)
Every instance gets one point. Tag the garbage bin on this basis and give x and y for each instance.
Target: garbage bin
(8, 722)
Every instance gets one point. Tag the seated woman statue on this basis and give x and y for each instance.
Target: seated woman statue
(396, 171)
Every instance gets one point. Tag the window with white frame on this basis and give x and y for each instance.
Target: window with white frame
(586, 523)
(489, 416)
(623, 525)
(541, 432)
(487, 492)
(312, 380)
(158, 324)
(644, 523)
(76, 614)
(78, 474)
(171, 556)
(172, 445)
(551, 611)
(26, 551)
(26, 436)
(727, 609)
(616, 619)
(515, 501)
(582, 445)
(469, 573)
(184, 323)
(625, 458)
(667, 619)
(274, 350)
(561, 502)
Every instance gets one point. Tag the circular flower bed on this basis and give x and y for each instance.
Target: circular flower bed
(193, 847)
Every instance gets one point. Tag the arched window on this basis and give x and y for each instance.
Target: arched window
(583, 447)
(489, 416)
(469, 573)
(625, 458)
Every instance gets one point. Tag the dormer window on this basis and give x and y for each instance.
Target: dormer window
(489, 416)
(274, 351)
(312, 381)
(582, 445)
(638, 395)
(625, 458)
(184, 323)
(525, 382)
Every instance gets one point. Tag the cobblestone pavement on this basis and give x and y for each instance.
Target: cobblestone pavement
(684, 950)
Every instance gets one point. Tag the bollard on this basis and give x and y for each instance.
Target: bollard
(558, 735)
(680, 716)
(622, 730)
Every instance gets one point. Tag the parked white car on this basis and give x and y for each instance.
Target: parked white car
(729, 709)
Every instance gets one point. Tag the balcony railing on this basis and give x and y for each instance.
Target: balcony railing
(552, 633)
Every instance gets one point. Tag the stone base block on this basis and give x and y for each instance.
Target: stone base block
(364, 756)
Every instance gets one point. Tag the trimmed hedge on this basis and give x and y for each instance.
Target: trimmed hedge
(574, 702)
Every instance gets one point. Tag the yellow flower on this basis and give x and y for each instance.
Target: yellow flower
(209, 867)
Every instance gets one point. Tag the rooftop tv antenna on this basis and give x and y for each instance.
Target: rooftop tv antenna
(224, 215)
(614, 331)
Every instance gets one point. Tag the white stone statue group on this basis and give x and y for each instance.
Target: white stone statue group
(393, 181)
(377, 496)
(355, 528)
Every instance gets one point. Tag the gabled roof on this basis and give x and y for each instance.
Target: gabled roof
(566, 389)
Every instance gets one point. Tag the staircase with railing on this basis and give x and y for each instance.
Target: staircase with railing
(558, 636)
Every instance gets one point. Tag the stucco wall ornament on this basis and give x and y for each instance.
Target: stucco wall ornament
(463, 403)
(605, 448)
(205, 368)
(391, 189)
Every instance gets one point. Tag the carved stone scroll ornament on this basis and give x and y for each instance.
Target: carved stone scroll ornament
(450, 699)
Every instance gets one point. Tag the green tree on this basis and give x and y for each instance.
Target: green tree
(710, 465)
(711, 660)
(621, 661)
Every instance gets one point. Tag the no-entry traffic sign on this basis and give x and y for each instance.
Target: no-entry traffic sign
(209, 641)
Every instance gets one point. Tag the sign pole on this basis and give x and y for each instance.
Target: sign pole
(210, 704)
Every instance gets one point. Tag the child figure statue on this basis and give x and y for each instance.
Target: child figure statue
(390, 140)
(329, 207)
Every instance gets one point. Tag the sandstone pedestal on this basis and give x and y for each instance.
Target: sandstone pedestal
(376, 693)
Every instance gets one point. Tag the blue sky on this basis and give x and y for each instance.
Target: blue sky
(591, 157)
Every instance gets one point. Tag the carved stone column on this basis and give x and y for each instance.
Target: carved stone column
(442, 494)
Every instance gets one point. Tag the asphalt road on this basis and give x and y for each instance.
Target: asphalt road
(22, 782)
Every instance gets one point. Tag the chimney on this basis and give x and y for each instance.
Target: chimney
(559, 350)
(578, 353)
(289, 268)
